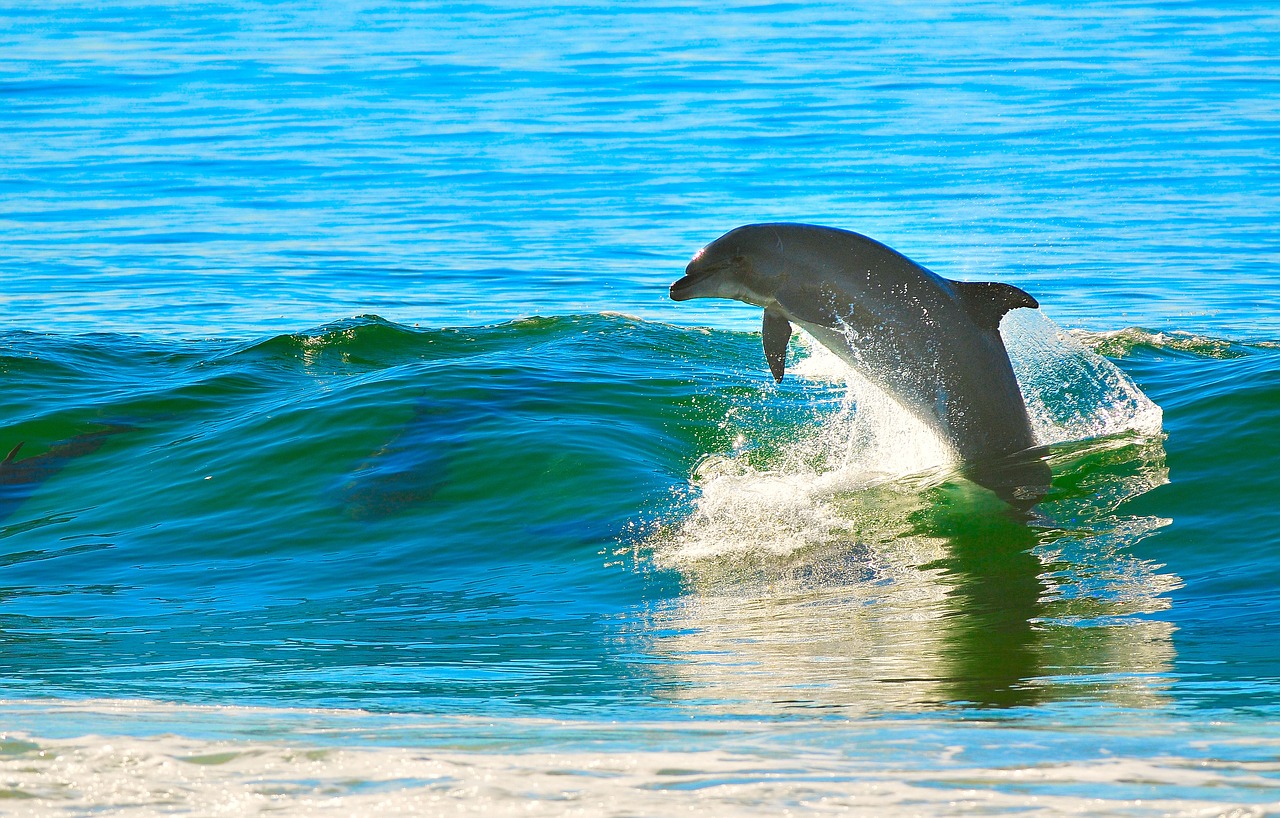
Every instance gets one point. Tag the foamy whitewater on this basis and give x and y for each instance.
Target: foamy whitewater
(311, 766)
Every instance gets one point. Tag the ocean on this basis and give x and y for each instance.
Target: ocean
(359, 463)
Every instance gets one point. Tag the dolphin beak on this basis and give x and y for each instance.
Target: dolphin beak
(680, 289)
(683, 289)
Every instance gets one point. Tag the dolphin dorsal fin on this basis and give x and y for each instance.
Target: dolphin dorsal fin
(777, 332)
(986, 302)
(12, 454)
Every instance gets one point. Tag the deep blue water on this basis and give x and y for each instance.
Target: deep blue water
(352, 402)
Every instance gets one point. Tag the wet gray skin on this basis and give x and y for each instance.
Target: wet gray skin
(932, 343)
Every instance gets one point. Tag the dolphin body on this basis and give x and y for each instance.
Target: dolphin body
(409, 468)
(934, 344)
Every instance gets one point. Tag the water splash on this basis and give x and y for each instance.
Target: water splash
(1071, 392)
(801, 497)
(840, 479)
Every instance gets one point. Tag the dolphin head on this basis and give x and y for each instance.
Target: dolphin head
(732, 266)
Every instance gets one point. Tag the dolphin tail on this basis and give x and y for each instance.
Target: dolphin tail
(986, 302)
(1021, 479)
(777, 332)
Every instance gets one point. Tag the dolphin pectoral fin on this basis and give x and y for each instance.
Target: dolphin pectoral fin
(12, 454)
(986, 302)
(777, 332)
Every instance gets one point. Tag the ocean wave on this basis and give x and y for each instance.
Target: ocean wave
(1122, 343)
(377, 419)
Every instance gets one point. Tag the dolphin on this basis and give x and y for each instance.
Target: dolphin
(412, 466)
(19, 479)
(932, 343)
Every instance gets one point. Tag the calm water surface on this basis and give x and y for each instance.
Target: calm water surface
(365, 464)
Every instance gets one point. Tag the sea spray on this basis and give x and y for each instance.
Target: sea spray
(1071, 392)
(804, 495)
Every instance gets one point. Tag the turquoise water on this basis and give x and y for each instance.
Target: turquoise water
(365, 464)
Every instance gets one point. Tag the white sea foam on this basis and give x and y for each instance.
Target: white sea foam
(137, 774)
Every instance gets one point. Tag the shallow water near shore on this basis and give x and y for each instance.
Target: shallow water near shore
(365, 466)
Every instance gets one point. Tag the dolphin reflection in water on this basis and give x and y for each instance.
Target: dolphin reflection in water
(932, 343)
(903, 600)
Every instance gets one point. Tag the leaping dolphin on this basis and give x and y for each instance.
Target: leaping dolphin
(934, 344)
